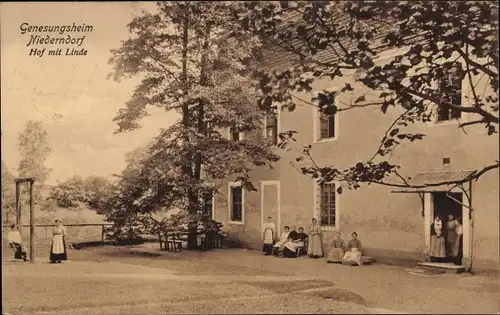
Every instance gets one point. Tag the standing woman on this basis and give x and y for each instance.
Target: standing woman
(269, 236)
(314, 247)
(438, 244)
(457, 251)
(58, 248)
(451, 236)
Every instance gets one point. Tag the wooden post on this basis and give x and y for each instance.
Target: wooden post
(102, 234)
(32, 224)
(18, 207)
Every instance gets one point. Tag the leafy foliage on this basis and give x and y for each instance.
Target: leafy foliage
(34, 150)
(92, 192)
(194, 59)
(435, 44)
(8, 195)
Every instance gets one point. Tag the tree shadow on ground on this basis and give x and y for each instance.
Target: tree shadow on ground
(338, 295)
(334, 295)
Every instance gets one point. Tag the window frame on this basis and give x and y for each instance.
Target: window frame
(230, 133)
(317, 125)
(230, 220)
(212, 202)
(318, 214)
(462, 117)
(276, 128)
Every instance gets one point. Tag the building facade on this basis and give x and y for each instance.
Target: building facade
(390, 222)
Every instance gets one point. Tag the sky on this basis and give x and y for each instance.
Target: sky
(70, 95)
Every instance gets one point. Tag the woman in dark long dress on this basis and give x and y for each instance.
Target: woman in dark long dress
(58, 248)
(438, 243)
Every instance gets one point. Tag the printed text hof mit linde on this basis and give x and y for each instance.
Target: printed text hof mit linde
(56, 40)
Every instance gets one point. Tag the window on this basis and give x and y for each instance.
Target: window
(271, 127)
(452, 84)
(208, 206)
(235, 134)
(327, 126)
(208, 127)
(236, 203)
(327, 204)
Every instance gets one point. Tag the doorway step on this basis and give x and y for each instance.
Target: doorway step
(443, 267)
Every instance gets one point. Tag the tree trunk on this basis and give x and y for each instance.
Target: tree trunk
(192, 242)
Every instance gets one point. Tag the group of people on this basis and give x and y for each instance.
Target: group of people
(292, 243)
(446, 240)
(57, 250)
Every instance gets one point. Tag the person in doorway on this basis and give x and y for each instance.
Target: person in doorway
(438, 244)
(16, 242)
(291, 247)
(269, 236)
(314, 249)
(457, 251)
(451, 236)
(58, 248)
(353, 251)
(278, 247)
(336, 252)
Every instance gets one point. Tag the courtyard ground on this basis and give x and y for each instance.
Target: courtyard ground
(143, 280)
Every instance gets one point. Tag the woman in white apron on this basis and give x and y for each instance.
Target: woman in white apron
(269, 233)
(353, 251)
(58, 248)
(314, 249)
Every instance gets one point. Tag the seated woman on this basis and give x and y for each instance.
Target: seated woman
(353, 254)
(336, 252)
(290, 248)
(278, 247)
(302, 241)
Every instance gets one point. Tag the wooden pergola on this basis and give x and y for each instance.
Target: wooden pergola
(31, 181)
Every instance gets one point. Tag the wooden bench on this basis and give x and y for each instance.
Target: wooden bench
(302, 249)
(217, 241)
(174, 244)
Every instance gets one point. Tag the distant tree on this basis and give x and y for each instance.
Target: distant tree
(34, 149)
(91, 192)
(436, 43)
(195, 60)
(8, 195)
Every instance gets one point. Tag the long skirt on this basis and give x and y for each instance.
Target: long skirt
(19, 251)
(352, 257)
(314, 247)
(335, 255)
(288, 253)
(457, 252)
(267, 248)
(290, 250)
(450, 242)
(58, 249)
(438, 248)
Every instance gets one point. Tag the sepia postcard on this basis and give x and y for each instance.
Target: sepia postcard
(250, 157)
